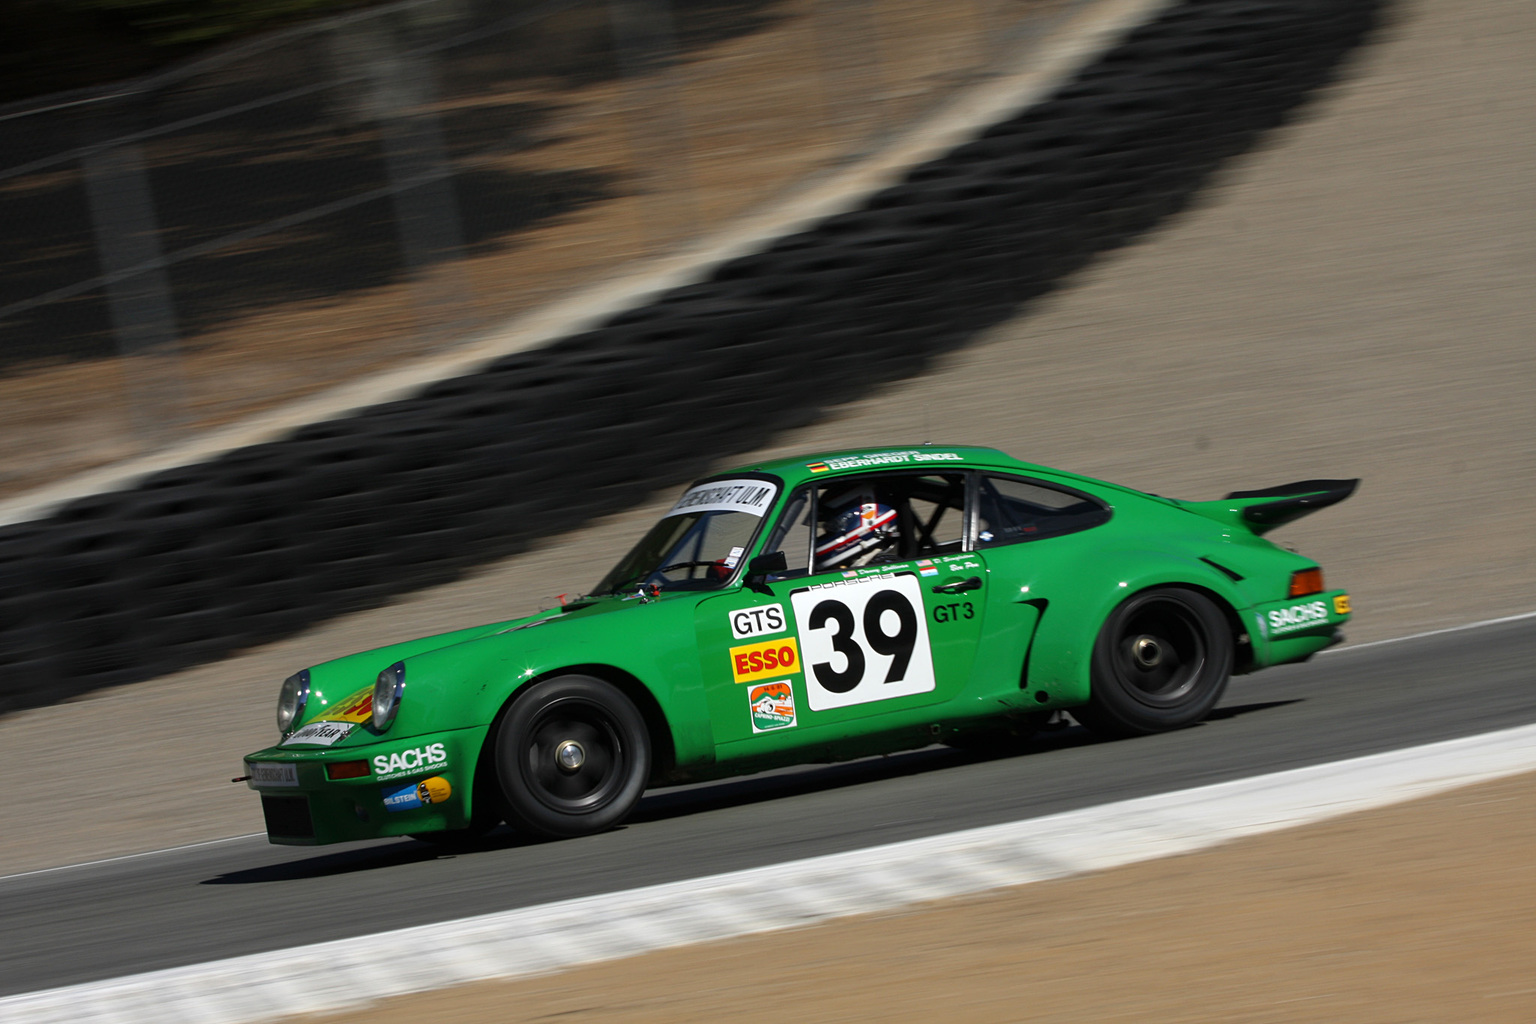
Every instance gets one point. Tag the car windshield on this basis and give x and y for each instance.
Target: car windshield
(700, 542)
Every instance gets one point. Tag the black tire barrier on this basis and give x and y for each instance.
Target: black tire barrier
(198, 561)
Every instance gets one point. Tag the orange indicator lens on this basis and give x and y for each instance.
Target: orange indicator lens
(346, 770)
(1306, 581)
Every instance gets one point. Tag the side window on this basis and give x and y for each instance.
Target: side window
(1011, 510)
(895, 517)
(792, 535)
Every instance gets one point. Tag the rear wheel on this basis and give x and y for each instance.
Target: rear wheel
(1161, 661)
(572, 756)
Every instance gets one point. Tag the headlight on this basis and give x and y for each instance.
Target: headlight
(387, 691)
(291, 700)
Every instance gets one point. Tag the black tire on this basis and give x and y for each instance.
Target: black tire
(1161, 662)
(602, 777)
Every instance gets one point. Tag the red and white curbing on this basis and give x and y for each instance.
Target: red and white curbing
(332, 976)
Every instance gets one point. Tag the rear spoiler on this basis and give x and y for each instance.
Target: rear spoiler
(1264, 510)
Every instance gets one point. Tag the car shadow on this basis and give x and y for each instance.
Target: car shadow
(1234, 710)
(700, 797)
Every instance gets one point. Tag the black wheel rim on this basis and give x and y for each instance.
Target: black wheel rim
(575, 757)
(1160, 652)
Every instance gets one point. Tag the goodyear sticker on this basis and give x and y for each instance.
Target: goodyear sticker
(1341, 604)
(356, 708)
(417, 794)
(320, 734)
(773, 706)
(750, 662)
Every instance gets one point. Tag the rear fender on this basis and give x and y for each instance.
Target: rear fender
(1060, 659)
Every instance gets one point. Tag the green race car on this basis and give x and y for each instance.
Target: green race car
(807, 609)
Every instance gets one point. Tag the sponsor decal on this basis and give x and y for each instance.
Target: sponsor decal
(863, 640)
(1341, 604)
(754, 497)
(954, 612)
(432, 757)
(732, 558)
(268, 773)
(1297, 616)
(899, 458)
(773, 706)
(769, 658)
(356, 708)
(417, 794)
(764, 621)
(319, 734)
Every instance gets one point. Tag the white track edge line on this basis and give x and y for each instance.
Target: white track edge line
(1041, 66)
(332, 976)
(1502, 620)
(132, 856)
(1481, 623)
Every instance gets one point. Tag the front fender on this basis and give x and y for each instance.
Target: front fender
(1061, 659)
(469, 684)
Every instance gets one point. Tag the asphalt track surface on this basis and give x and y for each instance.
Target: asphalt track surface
(243, 896)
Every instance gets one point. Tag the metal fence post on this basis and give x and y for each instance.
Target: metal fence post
(849, 44)
(138, 290)
(398, 95)
(646, 44)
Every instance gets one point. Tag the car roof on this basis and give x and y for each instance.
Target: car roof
(795, 469)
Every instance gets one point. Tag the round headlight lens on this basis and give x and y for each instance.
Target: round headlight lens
(387, 691)
(291, 700)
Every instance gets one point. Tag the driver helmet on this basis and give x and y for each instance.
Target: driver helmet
(859, 530)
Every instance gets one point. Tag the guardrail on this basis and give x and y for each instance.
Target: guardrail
(200, 560)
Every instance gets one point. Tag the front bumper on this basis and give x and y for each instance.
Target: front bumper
(418, 784)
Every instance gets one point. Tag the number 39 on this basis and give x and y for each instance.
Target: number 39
(897, 645)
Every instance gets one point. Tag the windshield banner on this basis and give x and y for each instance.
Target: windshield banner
(754, 497)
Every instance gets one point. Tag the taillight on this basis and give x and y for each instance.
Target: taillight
(346, 770)
(1306, 581)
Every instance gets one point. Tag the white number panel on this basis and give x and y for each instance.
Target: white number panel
(862, 641)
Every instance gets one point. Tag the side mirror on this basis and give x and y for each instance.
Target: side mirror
(759, 568)
(762, 565)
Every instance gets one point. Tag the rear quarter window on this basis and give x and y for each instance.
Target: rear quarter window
(1011, 510)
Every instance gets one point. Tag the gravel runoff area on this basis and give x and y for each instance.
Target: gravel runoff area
(1352, 300)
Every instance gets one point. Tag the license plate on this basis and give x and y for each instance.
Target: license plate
(266, 773)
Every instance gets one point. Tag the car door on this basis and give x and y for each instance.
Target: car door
(828, 644)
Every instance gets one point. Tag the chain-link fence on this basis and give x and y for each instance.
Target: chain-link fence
(298, 210)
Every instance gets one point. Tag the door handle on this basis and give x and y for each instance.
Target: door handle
(960, 586)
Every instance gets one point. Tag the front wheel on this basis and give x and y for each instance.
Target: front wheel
(572, 756)
(1161, 661)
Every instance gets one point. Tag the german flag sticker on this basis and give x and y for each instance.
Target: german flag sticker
(817, 467)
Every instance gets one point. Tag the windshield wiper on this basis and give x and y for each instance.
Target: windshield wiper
(685, 565)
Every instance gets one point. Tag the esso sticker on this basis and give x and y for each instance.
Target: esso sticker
(765, 621)
(863, 641)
